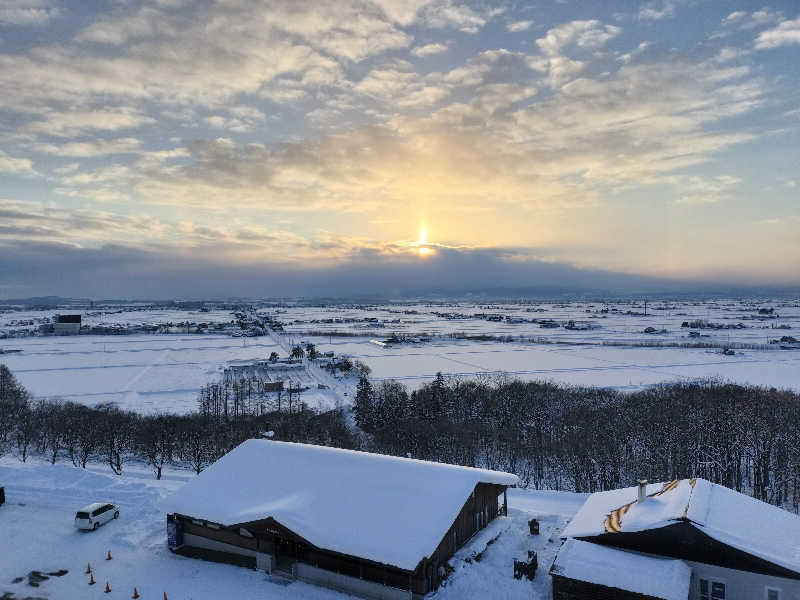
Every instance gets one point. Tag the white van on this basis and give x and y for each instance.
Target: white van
(94, 515)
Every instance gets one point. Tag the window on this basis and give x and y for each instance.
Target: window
(712, 590)
(773, 593)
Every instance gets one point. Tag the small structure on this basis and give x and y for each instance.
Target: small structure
(366, 524)
(526, 568)
(735, 547)
(67, 325)
(533, 525)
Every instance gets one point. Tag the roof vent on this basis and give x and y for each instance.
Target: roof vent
(642, 490)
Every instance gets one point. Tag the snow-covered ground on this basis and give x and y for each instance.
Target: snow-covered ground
(595, 365)
(163, 372)
(37, 534)
(146, 373)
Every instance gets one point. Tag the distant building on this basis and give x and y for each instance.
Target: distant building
(376, 526)
(686, 539)
(67, 325)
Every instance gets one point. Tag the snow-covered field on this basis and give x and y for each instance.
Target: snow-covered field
(606, 345)
(146, 373)
(595, 365)
(37, 534)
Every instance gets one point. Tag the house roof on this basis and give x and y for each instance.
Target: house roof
(729, 517)
(390, 510)
(664, 578)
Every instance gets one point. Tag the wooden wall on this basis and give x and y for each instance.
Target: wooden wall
(483, 498)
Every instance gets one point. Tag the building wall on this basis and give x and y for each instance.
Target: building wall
(572, 589)
(197, 541)
(484, 500)
(350, 585)
(742, 585)
(66, 328)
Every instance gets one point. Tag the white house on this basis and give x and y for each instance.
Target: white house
(735, 547)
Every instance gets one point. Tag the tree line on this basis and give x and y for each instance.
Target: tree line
(558, 437)
(61, 430)
(589, 439)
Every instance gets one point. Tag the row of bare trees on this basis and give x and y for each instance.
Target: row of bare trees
(590, 439)
(61, 430)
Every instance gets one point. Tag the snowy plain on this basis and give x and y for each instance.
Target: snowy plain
(152, 373)
(41, 500)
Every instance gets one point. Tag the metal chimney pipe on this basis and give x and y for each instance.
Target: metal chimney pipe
(642, 490)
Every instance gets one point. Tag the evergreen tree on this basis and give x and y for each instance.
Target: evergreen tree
(363, 406)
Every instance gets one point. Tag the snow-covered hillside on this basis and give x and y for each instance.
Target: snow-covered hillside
(37, 534)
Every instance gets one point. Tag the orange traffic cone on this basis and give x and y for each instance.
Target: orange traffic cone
(91, 579)
(108, 588)
(135, 594)
(108, 556)
(88, 568)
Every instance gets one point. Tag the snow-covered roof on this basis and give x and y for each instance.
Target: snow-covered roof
(729, 517)
(390, 510)
(624, 570)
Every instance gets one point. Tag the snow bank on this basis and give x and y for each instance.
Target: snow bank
(640, 573)
(390, 510)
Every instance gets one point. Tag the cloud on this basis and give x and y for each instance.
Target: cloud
(27, 12)
(700, 190)
(38, 266)
(96, 147)
(584, 34)
(18, 166)
(444, 14)
(403, 89)
(655, 11)
(73, 123)
(517, 26)
(787, 33)
(429, 49)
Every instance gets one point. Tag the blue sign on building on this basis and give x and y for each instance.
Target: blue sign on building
(174, 533)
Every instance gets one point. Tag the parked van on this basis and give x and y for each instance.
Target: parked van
(94, 515)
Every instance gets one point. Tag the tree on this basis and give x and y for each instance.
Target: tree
(364, 405)
(297, 353)
(116, 431)
(13, 401)
(363, 370)
(273, 357)
(196, 443)
(311, 351)
(156, 440)
(26, 431)
(83, 436)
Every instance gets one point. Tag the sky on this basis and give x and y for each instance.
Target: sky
(174, 148)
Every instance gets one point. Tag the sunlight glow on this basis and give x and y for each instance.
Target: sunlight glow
(422, 249)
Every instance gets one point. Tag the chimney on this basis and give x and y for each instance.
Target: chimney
(642, 490)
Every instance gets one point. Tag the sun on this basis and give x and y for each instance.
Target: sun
(422, 249)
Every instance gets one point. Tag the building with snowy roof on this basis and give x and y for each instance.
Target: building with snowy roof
(67, 324)
(367, 524)
(734, 546)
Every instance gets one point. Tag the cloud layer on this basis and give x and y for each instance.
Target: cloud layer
(326, 136)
